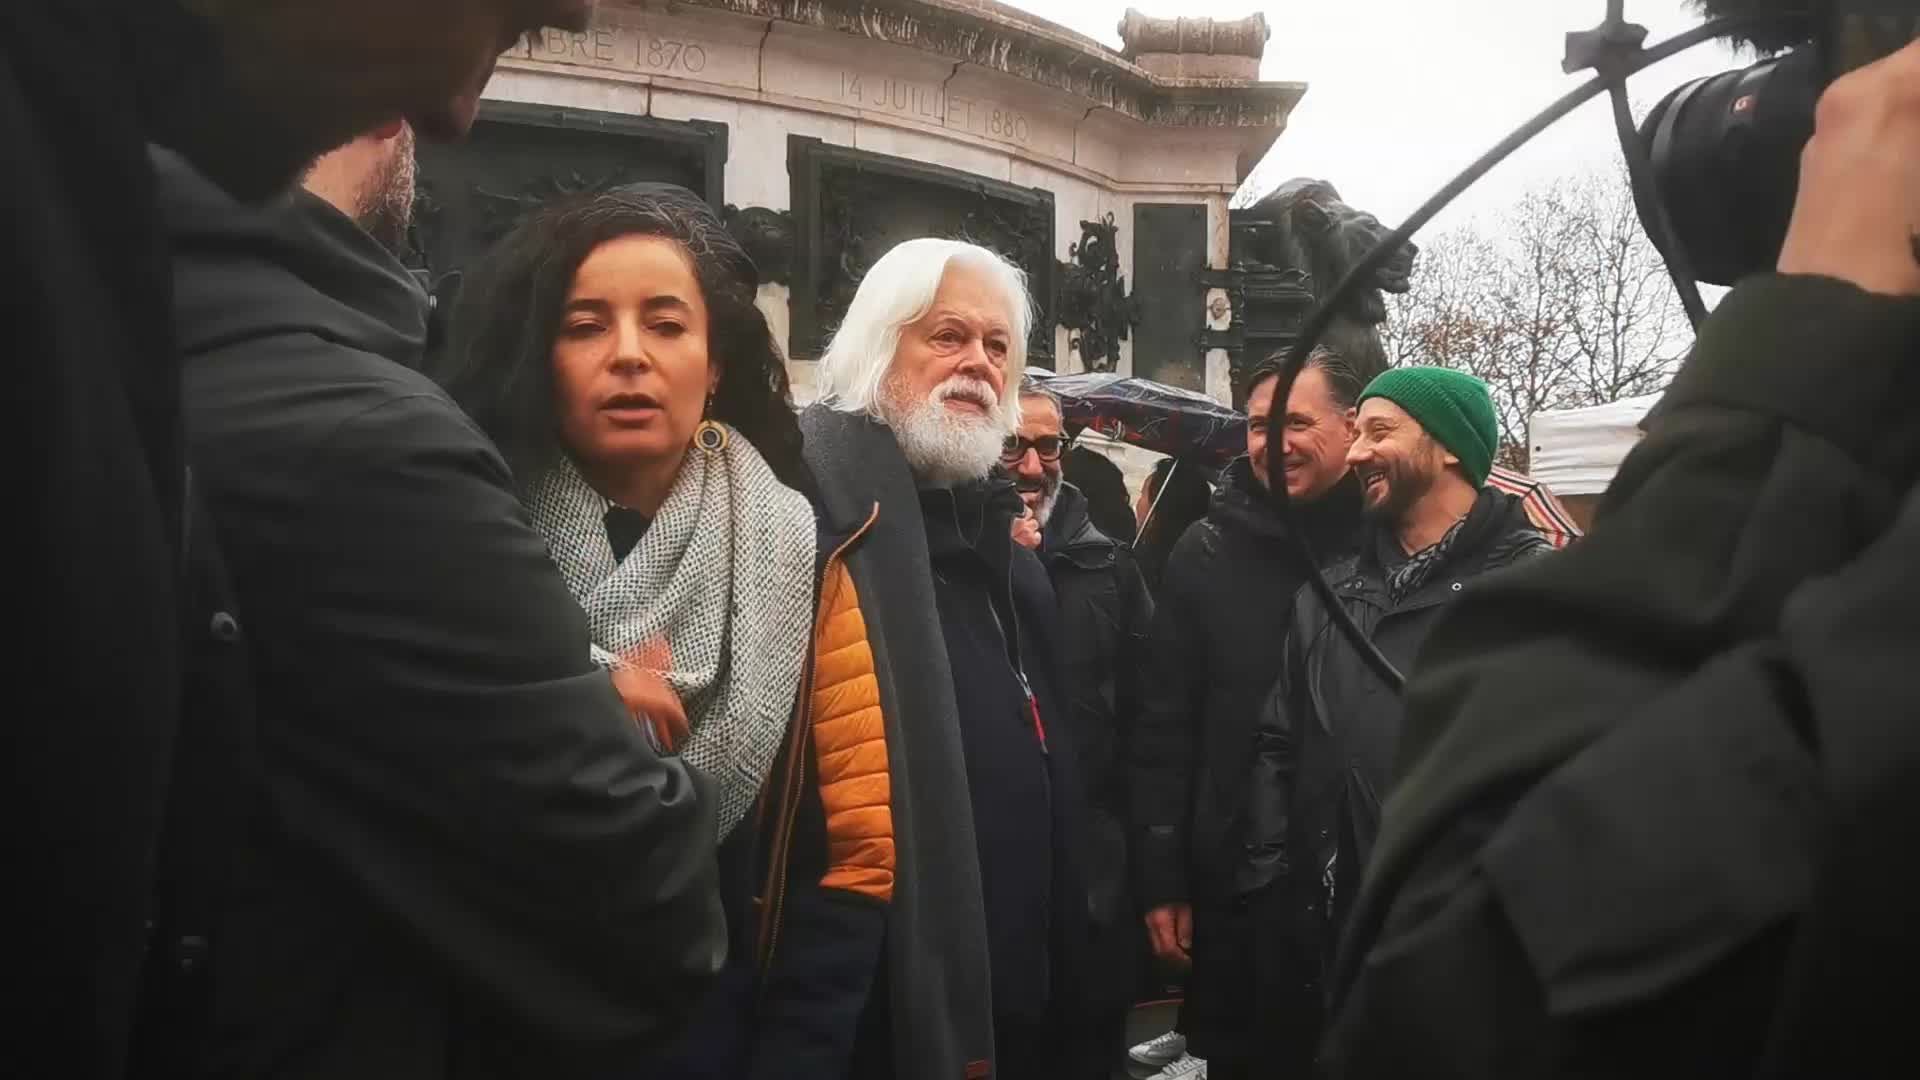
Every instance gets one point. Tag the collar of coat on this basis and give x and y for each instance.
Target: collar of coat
(1241, 505)
(1494, 530)
(1071, 536)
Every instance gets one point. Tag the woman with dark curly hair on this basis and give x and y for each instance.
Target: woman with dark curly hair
(611, 347)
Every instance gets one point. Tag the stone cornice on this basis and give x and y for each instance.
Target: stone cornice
(1238, 37)
(999, 38)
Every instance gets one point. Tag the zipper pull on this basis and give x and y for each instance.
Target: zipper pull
(1033, 708)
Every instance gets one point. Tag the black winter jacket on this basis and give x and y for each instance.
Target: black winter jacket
(929, 1013)
(1323, 747)
(463, 859)
(1322, 759)
(997, 616)
(1657, 795)
(1218, 629)
(99, 511)
(1106, 616)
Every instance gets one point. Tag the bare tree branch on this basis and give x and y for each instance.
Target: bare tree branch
(1564, 303)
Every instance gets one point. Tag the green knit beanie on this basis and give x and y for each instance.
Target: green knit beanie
(1453, 406)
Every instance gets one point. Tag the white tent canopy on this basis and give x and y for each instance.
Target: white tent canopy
(1577, 451)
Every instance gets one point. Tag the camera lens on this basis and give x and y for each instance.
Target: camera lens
(1726, 160)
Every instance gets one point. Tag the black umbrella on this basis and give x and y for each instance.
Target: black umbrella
(1153, 416)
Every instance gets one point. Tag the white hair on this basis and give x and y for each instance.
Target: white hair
(897, 292)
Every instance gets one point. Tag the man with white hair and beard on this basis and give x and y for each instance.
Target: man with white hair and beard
(1106, 618)
(917, 401)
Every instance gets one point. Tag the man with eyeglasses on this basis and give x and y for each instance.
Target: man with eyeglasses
(1106, 615)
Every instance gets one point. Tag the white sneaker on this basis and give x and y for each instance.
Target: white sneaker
(1184, 1067)
(1160, 1051)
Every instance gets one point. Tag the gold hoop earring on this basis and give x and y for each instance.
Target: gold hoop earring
(710, 436)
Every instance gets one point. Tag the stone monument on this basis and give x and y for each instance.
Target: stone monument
(830, 129)
(1291, 249)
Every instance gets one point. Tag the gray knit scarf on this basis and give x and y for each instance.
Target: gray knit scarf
(724, 575)
(1418, 568)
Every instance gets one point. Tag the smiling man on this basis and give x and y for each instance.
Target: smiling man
(1325, 739)
(1105, 617)
(919, 396)
(1219, 623)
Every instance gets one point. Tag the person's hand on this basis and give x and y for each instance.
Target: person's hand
(648, 695)
(1170, 932)
(1026, 530)
(1858, 210)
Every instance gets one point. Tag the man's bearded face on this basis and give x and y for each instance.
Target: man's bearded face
(943, 391)
(1037, 478)
(1397, 462)
(951, 436)
(385, 207)
(282, 81)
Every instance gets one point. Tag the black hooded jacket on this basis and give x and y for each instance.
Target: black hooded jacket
(1219, 623)
(462, 858)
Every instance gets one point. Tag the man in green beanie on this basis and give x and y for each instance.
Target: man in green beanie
(1434, 435)
(1326, 736)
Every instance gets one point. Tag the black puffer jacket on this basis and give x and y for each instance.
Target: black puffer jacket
(1105, 617)
(1216, 644)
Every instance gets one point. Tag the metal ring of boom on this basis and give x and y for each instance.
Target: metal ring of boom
(1363, 271)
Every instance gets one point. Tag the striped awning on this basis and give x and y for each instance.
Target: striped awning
(1542, 505)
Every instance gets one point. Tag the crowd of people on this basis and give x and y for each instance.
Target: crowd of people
(559, 700)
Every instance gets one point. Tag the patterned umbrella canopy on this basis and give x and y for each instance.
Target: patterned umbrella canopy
(1153, 416)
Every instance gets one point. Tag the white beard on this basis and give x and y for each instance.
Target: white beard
(942, 447)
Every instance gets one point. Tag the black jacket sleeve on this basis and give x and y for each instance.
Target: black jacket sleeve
(1652, 698)
(453, 751)
(1164, 745)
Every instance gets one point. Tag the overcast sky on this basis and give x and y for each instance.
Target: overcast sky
(1404, 93)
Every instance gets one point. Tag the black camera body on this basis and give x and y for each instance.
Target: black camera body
(1725, 149)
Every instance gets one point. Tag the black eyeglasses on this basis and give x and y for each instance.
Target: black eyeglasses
(1047, 446)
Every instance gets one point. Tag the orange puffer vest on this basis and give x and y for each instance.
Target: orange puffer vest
(839, 729)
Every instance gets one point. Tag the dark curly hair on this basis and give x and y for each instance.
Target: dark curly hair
(498, 363)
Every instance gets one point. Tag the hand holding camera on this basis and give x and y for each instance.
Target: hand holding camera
(1858, 210)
